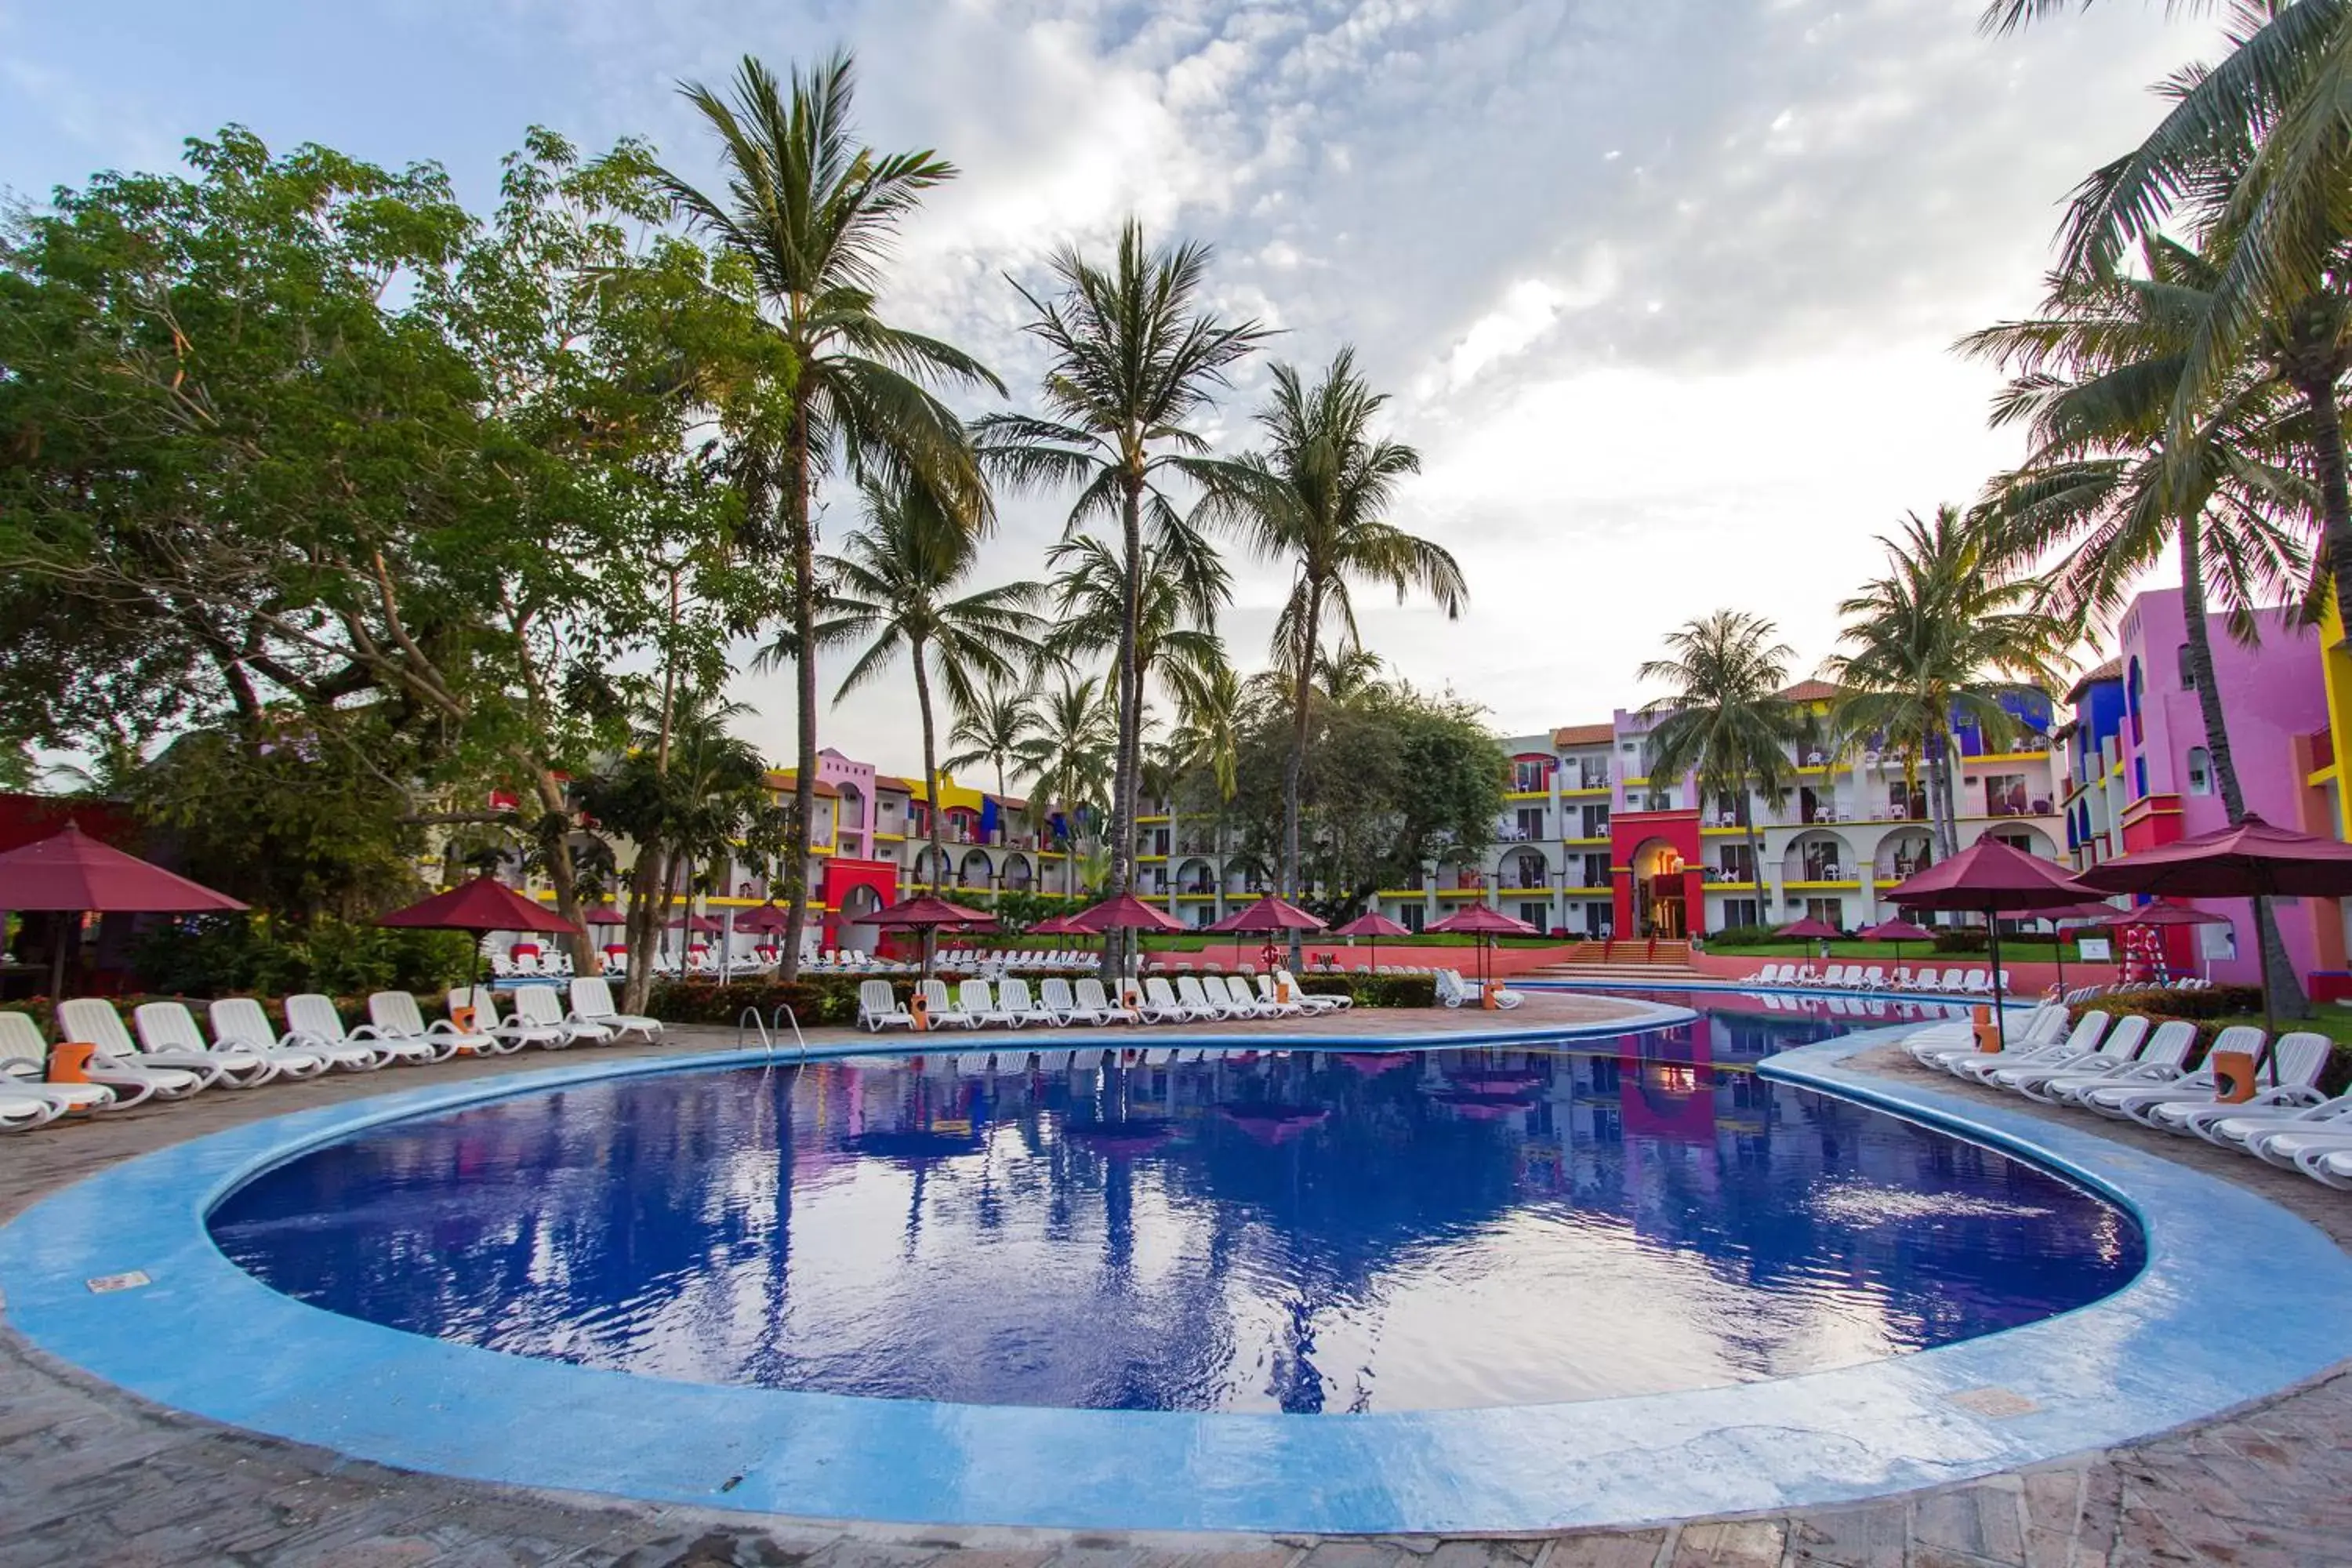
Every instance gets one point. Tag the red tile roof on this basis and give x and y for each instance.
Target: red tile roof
(2111, 670)
(1585, 735)
(1810, 691)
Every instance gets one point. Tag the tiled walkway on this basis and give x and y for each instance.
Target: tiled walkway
(89, 1476)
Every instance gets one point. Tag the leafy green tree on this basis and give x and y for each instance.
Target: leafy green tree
(811, 211)
(2106, 488)
(1723, 718)
(1314, 500)
(1944, 637)
(890, 587)
(1395, 780)
(1133, 364)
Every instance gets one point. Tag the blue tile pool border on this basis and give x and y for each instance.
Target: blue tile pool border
(2239, 1300)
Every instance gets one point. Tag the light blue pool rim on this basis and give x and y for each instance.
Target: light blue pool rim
(2239, 1300)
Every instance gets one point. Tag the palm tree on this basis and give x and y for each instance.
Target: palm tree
(993, 728)
(811, 213)
(889, 584)
(1070, 760)
(1944, 637)
(1349, 671)
(1724, 718)
(1133, 361)
(1314, 500)
(2106, 489)
(2255, 153)
(1212, 718)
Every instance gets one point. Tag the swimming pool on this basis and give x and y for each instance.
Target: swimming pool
(1307, 1232)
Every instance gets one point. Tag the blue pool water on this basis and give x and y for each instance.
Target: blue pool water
(1308, 1233)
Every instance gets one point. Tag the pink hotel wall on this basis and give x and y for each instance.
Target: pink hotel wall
(2271, 693)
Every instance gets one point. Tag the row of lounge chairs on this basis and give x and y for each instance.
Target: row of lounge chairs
(973, 1003)
(1456, 992)
(1961, 982)
(164, 1054)
(2136, 1068)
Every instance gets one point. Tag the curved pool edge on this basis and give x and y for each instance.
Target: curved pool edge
(208, 1339)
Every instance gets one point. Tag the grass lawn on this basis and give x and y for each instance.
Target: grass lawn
(2327, 1018)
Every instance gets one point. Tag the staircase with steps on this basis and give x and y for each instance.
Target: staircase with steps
(1647, 961)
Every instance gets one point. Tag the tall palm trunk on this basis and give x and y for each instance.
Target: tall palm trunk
(2287, 999)
(1295, 765)
(796, 843)
(1942, 817)
(1125, 777)
(1755, 852)
(930, 753)
(2318, 389)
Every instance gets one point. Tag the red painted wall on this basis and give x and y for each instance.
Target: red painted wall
(1628, 832)
(843, 873)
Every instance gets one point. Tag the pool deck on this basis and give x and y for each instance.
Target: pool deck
(89, 1474)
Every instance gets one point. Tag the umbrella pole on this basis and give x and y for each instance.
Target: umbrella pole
(2262, 967)
(57, 954)
(2060, 929)
(1993, 952)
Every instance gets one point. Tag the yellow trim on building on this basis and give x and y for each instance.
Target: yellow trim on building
(2335, 675)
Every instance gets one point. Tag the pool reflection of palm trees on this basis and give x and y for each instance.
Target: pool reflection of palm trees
(1290, 1232)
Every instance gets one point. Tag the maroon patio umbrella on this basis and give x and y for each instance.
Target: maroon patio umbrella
(71, 873)
(1373, 925)
(701, 925)
(2163, 915)
(1898, 931)
(1125, 912)
(2071, 914)
(767, 917)
(481, 905)
(604, 915)
(1485, 924)
(2251, 860)
(927, 912)
(1990, 879)
(1268, 914)
(1809, 930)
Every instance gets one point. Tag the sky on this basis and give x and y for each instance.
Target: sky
(1663, 290)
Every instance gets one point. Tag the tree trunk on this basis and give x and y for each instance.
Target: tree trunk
(564, 875)
(1130, 718)
(2287, 999)
(1940, 814)
(1295, 765)
(930, 767)
(643, 927)
(2328, 465)
(1755, 855)
(796, 840)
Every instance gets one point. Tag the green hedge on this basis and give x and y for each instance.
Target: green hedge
(2163, 1002)
(1374, 990)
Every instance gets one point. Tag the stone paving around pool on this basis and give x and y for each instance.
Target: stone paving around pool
(90, 1476)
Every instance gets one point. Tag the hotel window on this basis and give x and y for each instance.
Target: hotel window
(2020, 842)
(1596, 821)
(1739, 861)
(1596, 871)
(1537, 915)
(1530, 821)
(2005, 795)
(1741, 912)
(1662, 800)
(1592, 773)
(1413, 916)
(1821, 862)
(2201, 771)
(1831, 911)
(1529, 776)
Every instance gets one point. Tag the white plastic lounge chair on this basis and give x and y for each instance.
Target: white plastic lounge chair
(1247, 1003)
(397, 1016)
(23, 1107)
(1927, 980)
(1092, 998)
(1013, 997)
(1287, 984)
(168, 1028)
(239, 1021)
(538, 1004)
(1802, 975)
(1834, 975)
(1935, 1044)
(2236, 1126)
(1271, 1005)
(93, 1021)
(939, 1009)
(2120, 1050)
(878, 1008)
(512, 1033)
(1872, 979)
(1195, 995)
(2079, 1042)
(1054, 995)
(168, 1036)
(1161, 1005)
(2138, 1100)
(975, 1000)
(312, 1016)
(2299, 1058)
(1977, 982)
(591, 999)
(23, 1072)
(2332, 1167)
